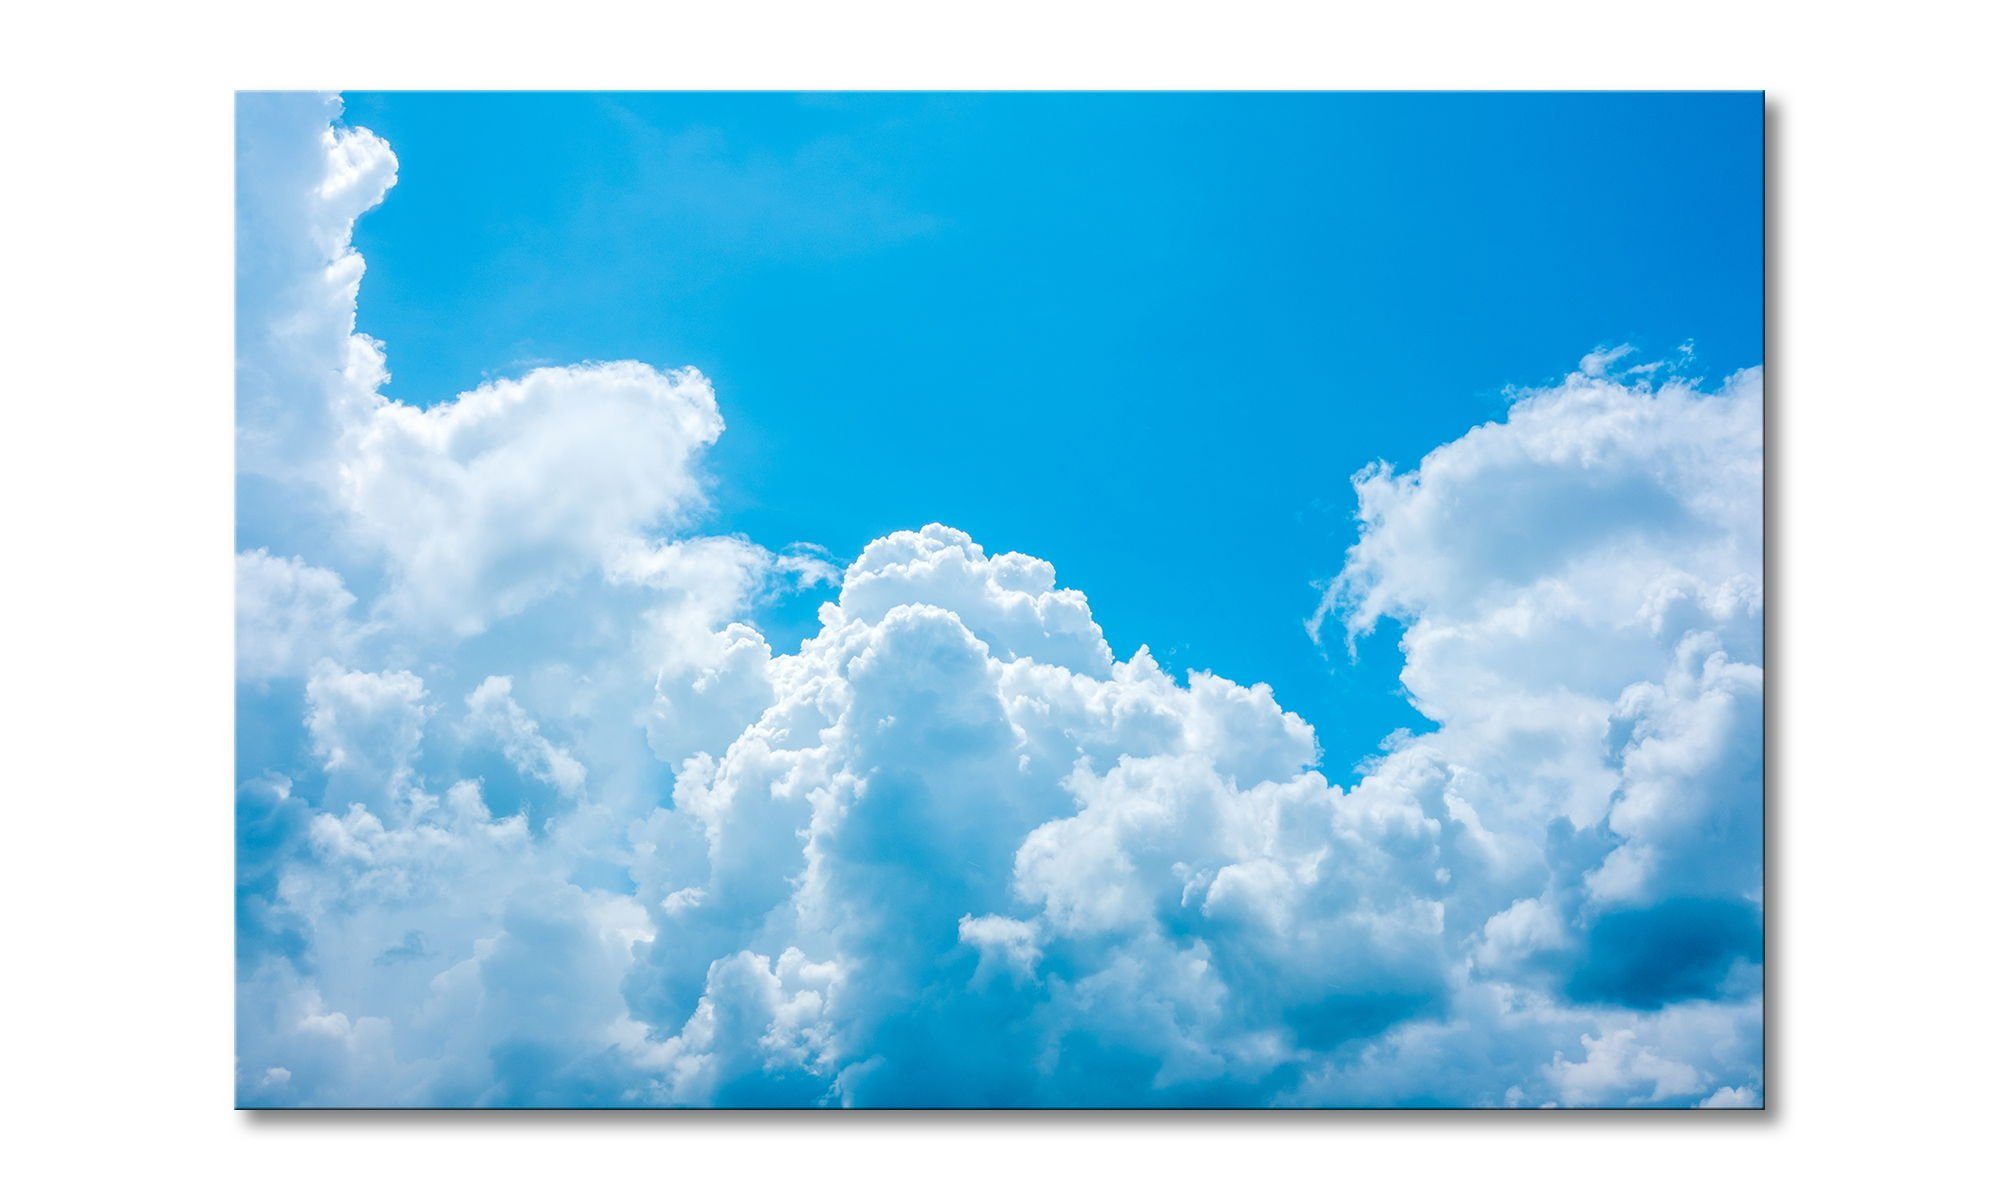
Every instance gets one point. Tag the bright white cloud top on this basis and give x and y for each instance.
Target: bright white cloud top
(951, 849)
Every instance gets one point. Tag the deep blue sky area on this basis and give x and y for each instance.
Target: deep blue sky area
(1146, 337)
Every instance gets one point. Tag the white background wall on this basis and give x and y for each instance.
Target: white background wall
(115, 437)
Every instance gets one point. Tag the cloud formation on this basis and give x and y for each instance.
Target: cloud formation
(533, 812)
(289, 616)
(485, 504)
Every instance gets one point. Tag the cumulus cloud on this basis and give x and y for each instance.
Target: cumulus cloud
(1732, 1097)
(950, 848)
(476, 507)
(366, 724)
(493, 713)
(710, 671)
(1580, 591)
(367, 892)
(289, 616)
(1618, 1068)
(487, 503)
(987, 840)
(301, 368)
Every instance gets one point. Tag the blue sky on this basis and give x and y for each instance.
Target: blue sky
(694, 554)
(1146, 337)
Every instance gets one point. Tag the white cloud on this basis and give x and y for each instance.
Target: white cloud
(1598, 361)
(710, 671)
(918, 783)
(1689, 806)
(1732, 1097)
(1591, 497)
(302, 370)
(1579, 589)
(1618, 1069)
(479, 506)
(288, 616)
(364, 723)
(488, 503)
(1010, 600)
(937, 831)
(759, 1036)
(493, 713)
(1003, 942)
(1524, 928)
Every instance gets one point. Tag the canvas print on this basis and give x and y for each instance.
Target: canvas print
(999, 600)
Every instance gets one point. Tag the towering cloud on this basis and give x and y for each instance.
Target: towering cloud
(533, 812)
(1581, 588)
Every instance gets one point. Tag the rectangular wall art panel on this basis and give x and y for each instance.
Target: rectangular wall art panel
(1000, 600)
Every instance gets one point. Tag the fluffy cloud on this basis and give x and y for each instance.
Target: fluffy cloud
(1580, 587)
(711, 672)
(301, 369)
(951, 849)
(987, 841)
(493, 713)
(477, 507)
(400, 941)
(486, 504)
(289, 616)
(366, 724)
